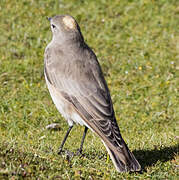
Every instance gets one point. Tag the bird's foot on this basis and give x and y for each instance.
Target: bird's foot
(68, 153)
(79, 152)
(60, 151)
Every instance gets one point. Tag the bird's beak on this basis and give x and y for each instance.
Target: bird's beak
(49, 18)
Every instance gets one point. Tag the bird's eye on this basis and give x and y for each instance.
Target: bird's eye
(53, 26)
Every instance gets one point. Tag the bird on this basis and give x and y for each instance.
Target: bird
(79, 90)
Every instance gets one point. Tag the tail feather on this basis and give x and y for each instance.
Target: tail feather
(123, 161)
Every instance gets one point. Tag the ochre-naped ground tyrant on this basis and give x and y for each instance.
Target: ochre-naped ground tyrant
(80, 92)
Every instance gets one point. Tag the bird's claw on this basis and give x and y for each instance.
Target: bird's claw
(60, 151)
(78, 152)
(68, 153)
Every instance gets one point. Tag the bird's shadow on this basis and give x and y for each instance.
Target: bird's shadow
(148, 158)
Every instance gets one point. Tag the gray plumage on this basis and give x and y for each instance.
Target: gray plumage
(79, 90)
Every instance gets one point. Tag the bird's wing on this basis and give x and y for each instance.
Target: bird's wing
(81, 83)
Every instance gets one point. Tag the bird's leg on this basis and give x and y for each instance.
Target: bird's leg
(79, 151)
(63, 142)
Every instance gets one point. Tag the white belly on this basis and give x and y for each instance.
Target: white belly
(64, 107)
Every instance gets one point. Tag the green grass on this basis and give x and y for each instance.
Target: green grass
(137, 45)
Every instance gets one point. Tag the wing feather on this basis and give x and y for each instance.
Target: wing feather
(86, 89)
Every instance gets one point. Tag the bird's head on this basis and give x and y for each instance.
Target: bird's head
(65, 28)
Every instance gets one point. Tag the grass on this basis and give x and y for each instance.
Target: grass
(137, 45)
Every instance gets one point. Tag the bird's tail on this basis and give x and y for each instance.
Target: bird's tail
(123, 159)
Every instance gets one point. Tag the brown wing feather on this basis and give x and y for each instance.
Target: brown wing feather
(84, 86)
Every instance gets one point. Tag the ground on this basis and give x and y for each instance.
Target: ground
(137, 45)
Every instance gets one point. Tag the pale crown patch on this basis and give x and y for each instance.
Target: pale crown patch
(69, 22)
